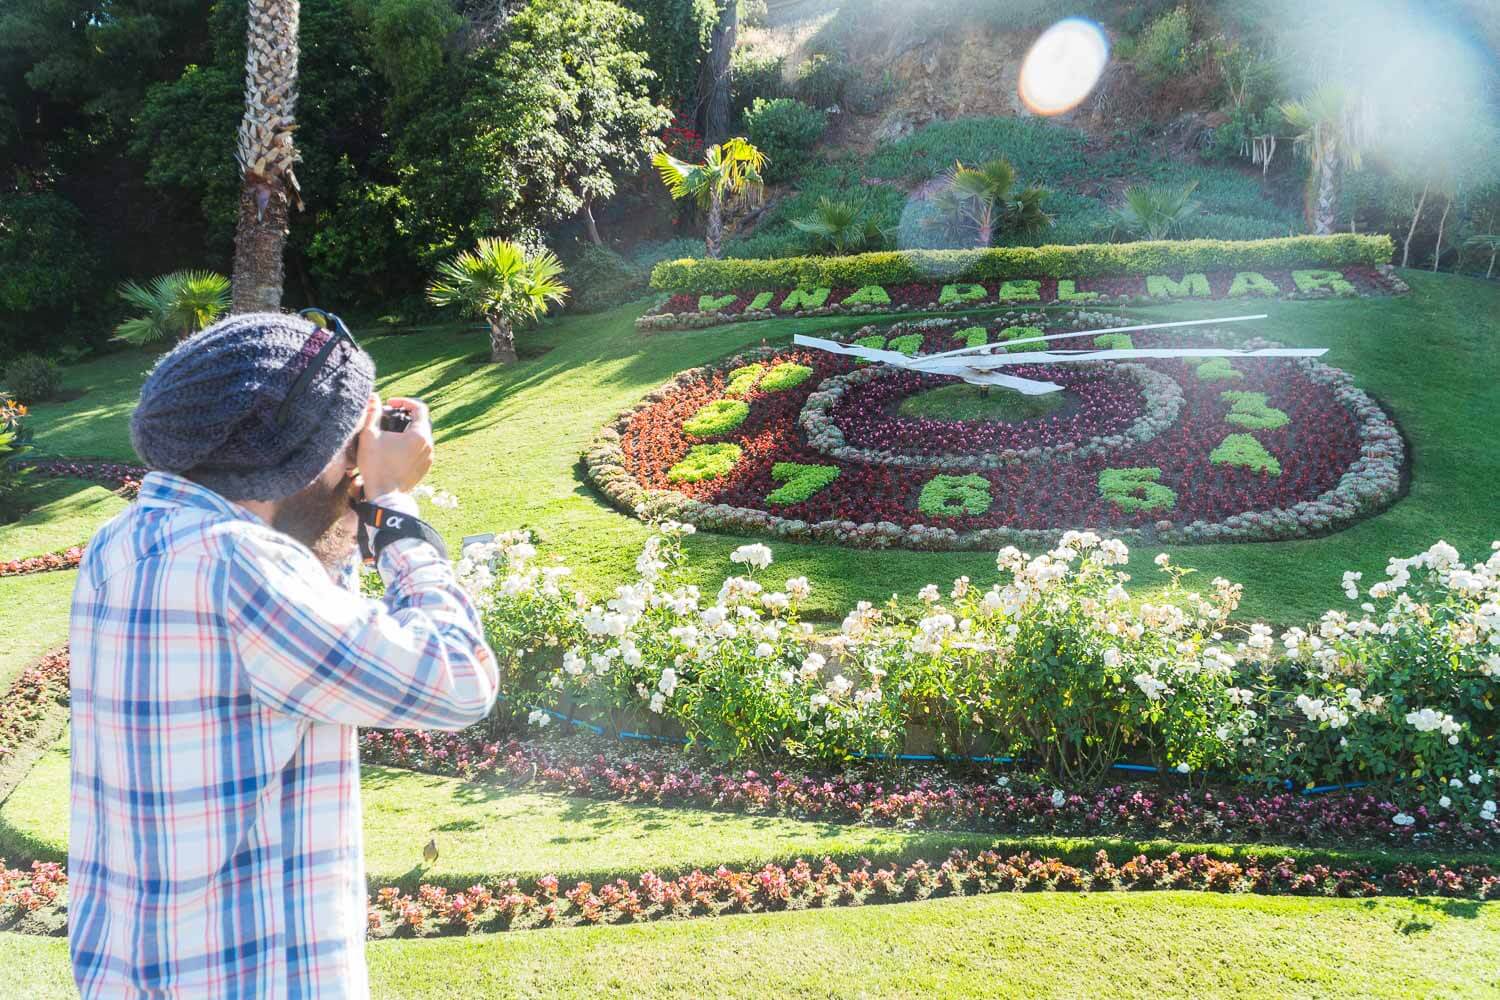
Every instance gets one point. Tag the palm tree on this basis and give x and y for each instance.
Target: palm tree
(730, 169)
(981, 198)
(840, 226)
(1332, 127)
(175, 305)
(504, 283)
(1155, 213)
(266, 154)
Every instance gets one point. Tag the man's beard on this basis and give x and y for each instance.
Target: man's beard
(322, 519)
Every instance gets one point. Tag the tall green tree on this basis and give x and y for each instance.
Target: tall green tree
(729, 170)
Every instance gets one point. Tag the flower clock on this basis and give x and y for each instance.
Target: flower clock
(1150, 442)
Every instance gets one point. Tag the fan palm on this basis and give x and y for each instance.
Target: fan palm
(1331, 128)
(982, 199)
(730, 169)
(175, 305)
(1155, 213)
(502, 282)
(266, 154)
(840, 226)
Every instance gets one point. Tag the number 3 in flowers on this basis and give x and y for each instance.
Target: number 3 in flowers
(1136, 489)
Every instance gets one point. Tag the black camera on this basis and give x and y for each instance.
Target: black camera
(394, 419)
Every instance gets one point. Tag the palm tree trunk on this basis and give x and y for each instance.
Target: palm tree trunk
(714, 236)
(502, 341)
(1406, 247)
(713, 75)
(266, 154)
(1437, 250)
(1328, 172)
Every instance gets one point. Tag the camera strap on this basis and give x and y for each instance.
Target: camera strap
(386, 526)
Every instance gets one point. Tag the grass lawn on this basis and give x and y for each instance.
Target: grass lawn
(68, 513)
(1043, 945)
(35, 618)
(510, 440)
(971, 403)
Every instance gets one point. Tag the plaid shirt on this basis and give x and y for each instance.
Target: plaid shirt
(218, 676)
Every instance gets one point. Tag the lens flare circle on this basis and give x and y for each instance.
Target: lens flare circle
(1063, 65)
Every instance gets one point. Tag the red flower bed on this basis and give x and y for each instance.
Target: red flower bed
(506, 905)
(25, 705)
(66, 559)
(925, 796)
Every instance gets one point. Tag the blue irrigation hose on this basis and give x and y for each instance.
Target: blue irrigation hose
(927, 757)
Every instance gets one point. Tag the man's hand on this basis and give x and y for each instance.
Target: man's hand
(394, 461)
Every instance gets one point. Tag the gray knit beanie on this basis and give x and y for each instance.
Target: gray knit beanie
(208, 409)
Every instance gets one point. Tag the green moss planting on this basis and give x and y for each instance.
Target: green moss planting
(1067, 291)
(742, 380)
(973, 336)
(799, 481)
(1115, 342)
(713, 303)
(868, 295)
(1136, 489)
(1249, 409)
(1023, 333)
(786, 375)
(705, 461)
(1195, 285)
(953, 294)
(1252, 283)
(761, 301)
(718, 417)
(971, 403)
(1320, 279)
(1021, 290)
(955, 496)
(1218, 370)
(908, 345)
(1244, 450)
(804, 298)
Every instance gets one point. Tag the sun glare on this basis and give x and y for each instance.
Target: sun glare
(1063, 66)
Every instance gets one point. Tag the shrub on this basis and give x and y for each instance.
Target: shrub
(14, 439)
(785, 130)
(866, 96)
(1052, 662)
(31, 378)
(756, 74)
(822, 79)
(1403, 692)
(1155, 212)
(175, 305)
(998, 263)
(603, 279)
(1165, 49)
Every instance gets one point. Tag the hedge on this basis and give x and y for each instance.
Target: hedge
(1084, 260)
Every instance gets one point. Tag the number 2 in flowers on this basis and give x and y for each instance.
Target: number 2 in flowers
(1136, 489)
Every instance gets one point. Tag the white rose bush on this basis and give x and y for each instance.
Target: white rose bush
(1052, 666)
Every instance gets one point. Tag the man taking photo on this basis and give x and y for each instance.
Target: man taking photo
(221, 660)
